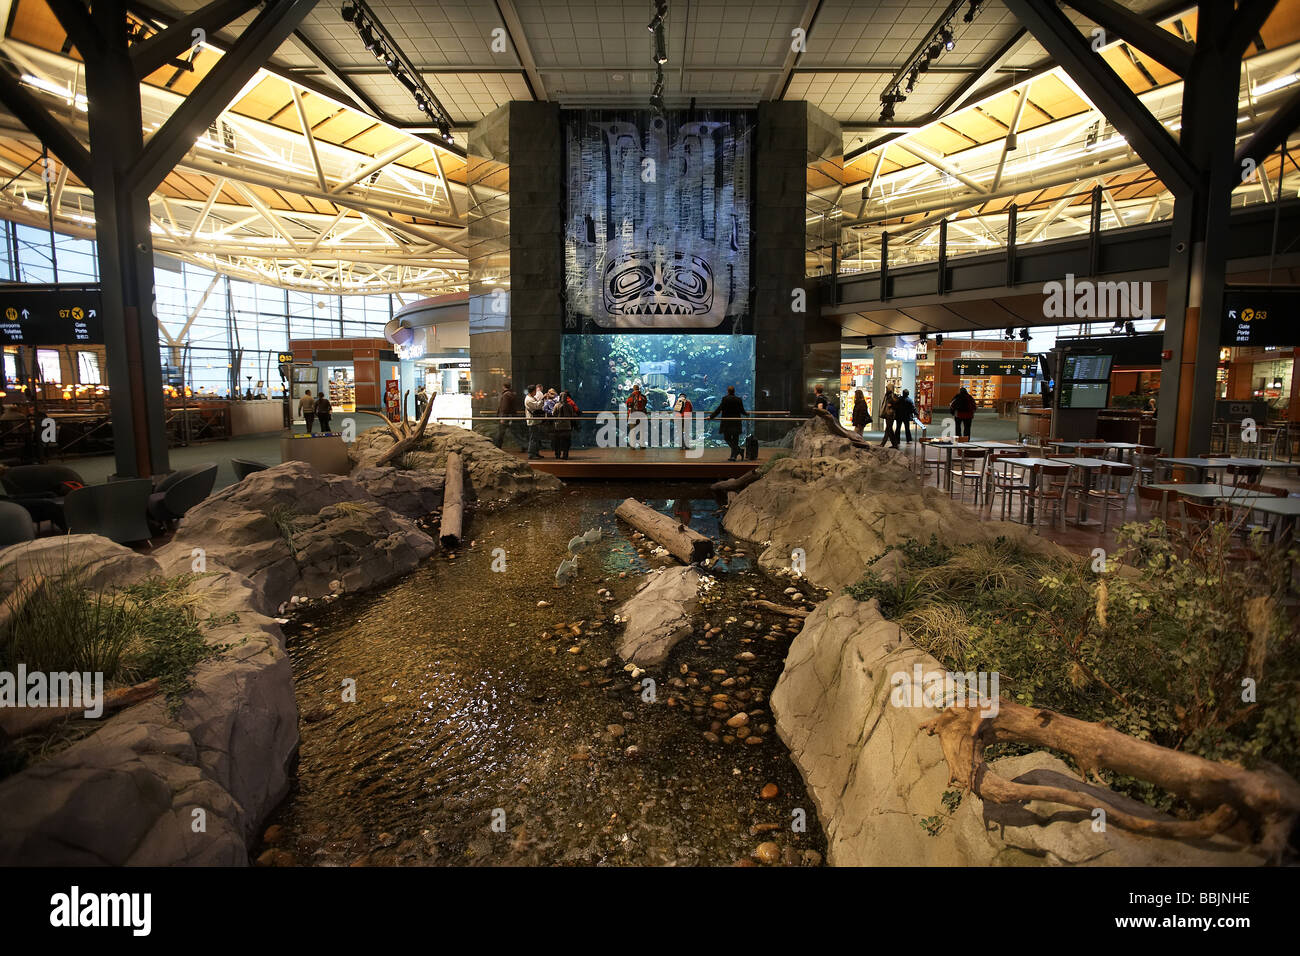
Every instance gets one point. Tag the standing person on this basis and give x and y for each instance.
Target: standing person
(636, 402)
(562, 427)
(323, 410)
(307, 408)
(963, 409)
(826, 403)
(904, 412)
(533, 416)
(887, 415)
(683, 408)
(861, 414)
(732, 410)
(421, 399)
(507, 408)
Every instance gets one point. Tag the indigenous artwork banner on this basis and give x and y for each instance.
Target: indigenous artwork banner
(657, 231)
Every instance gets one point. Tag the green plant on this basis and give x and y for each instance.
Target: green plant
(932, 825)
(951, 800)
(63, 624)
(285, 519)
(1165, 647)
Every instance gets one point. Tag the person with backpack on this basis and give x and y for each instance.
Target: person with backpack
(323, 410)
(887, 415)
(963, 410)
(683, 408)
(732, 410)
(307, 408)
(563, 413)
(636, 402)
(861, 414)
(904, 413)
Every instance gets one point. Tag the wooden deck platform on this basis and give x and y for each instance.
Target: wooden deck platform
(660, 463)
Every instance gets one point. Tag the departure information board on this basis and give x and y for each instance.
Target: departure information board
(1016, 368)
(50, 315)
(1086, 368)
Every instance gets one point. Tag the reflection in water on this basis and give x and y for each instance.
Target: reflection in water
(489, 729)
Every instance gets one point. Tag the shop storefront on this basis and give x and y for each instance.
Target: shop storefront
(352, 373)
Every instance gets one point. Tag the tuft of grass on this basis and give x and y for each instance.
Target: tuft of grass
(285, 518)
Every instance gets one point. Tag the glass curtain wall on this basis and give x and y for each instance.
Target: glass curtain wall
(223, 321)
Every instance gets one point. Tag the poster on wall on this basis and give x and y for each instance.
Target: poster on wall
(925, 400)
(393, 399)
(657, 220)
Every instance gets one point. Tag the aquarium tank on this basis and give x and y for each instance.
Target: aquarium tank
(599, 371)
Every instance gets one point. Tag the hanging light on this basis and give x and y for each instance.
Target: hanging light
(946, 36)
(911, 79)
(974, 8)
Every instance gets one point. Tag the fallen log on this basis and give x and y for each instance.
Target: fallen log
(721, 488)
(453, 502)
(838, 429)
(1267, 803)
(683, 543)
(778, 608)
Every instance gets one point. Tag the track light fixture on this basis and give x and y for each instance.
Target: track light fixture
(1024, 334)
(656, 27)
(938, 340)
(1130, 328)
(1010, 332)
(380, 43)
(940, 39)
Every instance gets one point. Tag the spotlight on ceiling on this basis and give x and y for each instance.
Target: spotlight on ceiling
(661, 48)
(974, 9)
(946, 36)
(938, 340)
(869, 345)
(935, 50)
(924, 336)
(1010, 332)
(1130, 328)
(348, 12)
(1024, 334)
(911, 79)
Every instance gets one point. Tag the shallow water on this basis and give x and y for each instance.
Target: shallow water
(481, 729)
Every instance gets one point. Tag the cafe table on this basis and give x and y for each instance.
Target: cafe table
(1201, 465)
(1028, 462)
(1125, 446)
(1288, 509)
(1087, 466)
(1211, 491)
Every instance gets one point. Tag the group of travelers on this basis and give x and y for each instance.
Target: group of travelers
(548, 414)
(315, 409)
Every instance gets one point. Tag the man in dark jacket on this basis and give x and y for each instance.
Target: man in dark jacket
(323, 411)
(904, 412)
(732, 410)
(507, 407)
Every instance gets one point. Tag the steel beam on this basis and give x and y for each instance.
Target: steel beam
(1137, 31)
(168, 44)
(1120, 105)
(76, 22)
(49, 130)
(215, 91)
(1272, 133)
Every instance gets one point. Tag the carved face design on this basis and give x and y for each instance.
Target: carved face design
(656, 284)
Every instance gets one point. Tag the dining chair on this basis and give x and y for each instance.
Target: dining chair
(964, 473)
(1112, 488)
(1045, 489)
(1006, 481)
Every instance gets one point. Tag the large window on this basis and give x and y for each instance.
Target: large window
(212, 314)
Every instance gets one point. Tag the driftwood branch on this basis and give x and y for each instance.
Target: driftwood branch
(15, 722)
(838, 429)
(683, 543)
(1266, 802)
(721, 489)
(406, 439)
(778, 608)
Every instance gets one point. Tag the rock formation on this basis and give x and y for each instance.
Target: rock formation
(490, 473)
(879, 780)
(658, 616)
(132, 792)
(292, 531)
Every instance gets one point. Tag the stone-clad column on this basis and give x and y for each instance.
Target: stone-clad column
(515, 252)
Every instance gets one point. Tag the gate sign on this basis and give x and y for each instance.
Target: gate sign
(50, 315)
(1263, 315)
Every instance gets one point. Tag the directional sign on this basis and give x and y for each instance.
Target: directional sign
(1021, 367)
(50, 315)
(1260, 316)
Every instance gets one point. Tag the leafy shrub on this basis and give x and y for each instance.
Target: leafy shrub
(1157, 647)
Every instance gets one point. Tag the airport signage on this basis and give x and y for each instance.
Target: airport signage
(1015, 368)
(1260, 316)
(50, 315)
